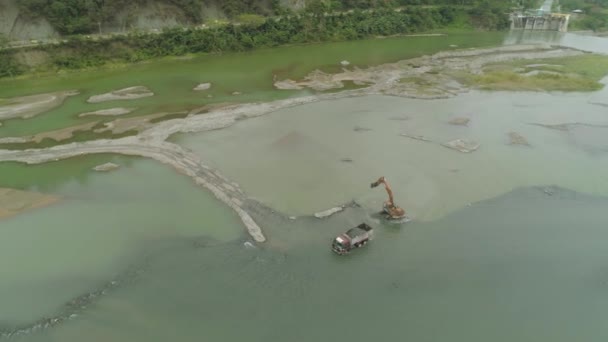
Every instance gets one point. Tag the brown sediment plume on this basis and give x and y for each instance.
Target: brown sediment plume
(14, 202)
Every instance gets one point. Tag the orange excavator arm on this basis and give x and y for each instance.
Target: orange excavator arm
(387, 187)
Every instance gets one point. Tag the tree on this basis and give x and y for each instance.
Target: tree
(251, 20)
(8, 64)
(3, 41)
(98, 12)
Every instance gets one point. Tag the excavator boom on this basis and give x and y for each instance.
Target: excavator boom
(387, 187)
(394, 211)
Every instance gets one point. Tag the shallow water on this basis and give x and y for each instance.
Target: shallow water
(103, 224)
(572, 40)
(526, 267)
(309, 158)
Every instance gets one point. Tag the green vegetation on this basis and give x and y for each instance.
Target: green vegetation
(78, 136)
(8, 64)
(579, 73)
(70, 17)
(594, 16)
(253, 31)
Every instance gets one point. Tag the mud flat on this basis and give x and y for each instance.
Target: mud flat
(427, 77)
(130, 93)
(26, 107)
(13, 202)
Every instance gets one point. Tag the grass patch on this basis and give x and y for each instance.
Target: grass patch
(578, 73)
(508, 80)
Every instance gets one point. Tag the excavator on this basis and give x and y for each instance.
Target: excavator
(392, 211)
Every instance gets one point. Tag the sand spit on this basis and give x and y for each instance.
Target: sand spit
(57, 135)
(426, 77)
(384, 79)
(166, 153)
(26, 107)
(108, 112)
(130, 93)
(13, 202)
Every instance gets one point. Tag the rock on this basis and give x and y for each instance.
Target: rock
(236, 93)
(287, 85)
(345, 63)
(361, 129)
(13, 140)
(130, 93)
(453, 45)
(460, 121)
(248, 244)
(328, 212)
(106, 167)
(109, 112)
(202, 86)
(293, 218)
(517, 139)
(464, 146)
(416, 137)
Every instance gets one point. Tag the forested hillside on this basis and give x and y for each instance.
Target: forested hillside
(90, 16)
(249, 24)
(594, 16)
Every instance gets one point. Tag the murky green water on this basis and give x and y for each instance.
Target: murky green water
(523, 267)
(104, 223)
(528, 265)
(309, 158)
(248, 73)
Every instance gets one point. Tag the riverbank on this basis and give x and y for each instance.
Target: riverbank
(386, 79)
(80, 53)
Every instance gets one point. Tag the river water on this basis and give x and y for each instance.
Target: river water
(495, 252)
